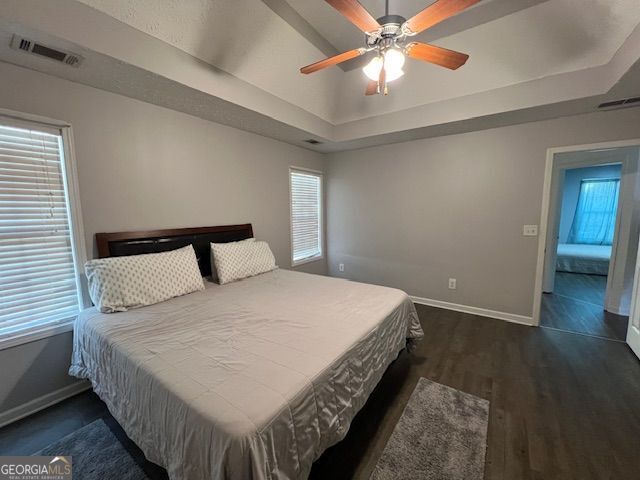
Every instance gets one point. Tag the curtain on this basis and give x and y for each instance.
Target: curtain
(595, 218)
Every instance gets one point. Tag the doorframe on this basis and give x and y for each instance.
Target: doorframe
(633, 331)
(558, 175)
(546, 209)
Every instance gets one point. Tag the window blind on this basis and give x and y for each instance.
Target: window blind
(306, 215)
(38, 285)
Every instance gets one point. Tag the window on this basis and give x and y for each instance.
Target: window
(306, 215)
(595, 218)
(38, 277)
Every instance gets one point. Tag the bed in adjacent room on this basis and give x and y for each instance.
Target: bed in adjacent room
(583, 258)
(249, 380)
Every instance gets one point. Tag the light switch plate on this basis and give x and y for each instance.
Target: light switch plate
(530, 230)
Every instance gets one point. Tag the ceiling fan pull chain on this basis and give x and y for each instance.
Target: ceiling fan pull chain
(382, 78)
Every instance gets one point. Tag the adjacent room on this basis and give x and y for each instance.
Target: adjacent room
(588, 220)
(319, 239)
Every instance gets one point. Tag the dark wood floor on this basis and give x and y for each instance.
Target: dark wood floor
(577, 305)
(563, 406)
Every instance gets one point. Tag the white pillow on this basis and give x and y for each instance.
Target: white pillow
(117, 284)
(238, 260)
(214, 272)
(262, 259)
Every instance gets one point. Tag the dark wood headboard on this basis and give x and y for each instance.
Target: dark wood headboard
(152, 241)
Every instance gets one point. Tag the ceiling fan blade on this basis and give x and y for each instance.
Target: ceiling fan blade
(372, 88)
(435, 13)
(328, 62)
(438, 55)
(356, 14)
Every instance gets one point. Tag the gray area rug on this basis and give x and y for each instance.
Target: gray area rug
(96, 454)
(441, 435)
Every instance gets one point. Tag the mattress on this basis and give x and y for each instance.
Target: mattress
(251, 380)
(580, 258)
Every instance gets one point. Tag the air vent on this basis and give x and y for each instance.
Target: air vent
(313, 141)
(624, 103)
(29, 46)
(25, 44)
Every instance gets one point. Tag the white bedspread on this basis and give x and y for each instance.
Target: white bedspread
(580, 258)
(251, 380)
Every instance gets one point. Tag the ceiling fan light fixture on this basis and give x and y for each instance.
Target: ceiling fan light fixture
(372, 69)
(393, 60)
(393, 63)
(393, 75)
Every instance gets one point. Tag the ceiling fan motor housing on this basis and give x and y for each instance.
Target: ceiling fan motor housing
(390, 32)
(391, 20)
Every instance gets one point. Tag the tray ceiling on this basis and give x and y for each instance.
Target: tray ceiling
(525, 54)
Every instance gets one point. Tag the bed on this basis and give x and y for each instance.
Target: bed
(250, 380)
(581, 258)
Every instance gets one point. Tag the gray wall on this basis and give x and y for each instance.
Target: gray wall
(571, 191)
(141, 167)
(413, 214)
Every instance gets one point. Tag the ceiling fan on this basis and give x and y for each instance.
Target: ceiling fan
(388, 35)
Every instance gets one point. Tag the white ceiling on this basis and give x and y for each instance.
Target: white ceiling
(548, 39)
(243, 56)
(242, 37)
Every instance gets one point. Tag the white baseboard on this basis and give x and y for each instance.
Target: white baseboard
(483, 312)
(40, 403)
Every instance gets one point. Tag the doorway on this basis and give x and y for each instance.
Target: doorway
(588, 206)
(588, 250)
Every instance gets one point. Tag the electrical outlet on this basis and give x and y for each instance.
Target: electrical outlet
(530, 230)
(341, 267)
(452, 284)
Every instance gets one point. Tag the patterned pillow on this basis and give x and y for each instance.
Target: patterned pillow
(238, 260)
(214, 272)
(117, 284)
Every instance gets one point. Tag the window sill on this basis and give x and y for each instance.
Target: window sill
(46, 331)
(297, 263)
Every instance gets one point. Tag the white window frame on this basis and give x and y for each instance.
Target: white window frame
(320, 174)
(78, 246)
